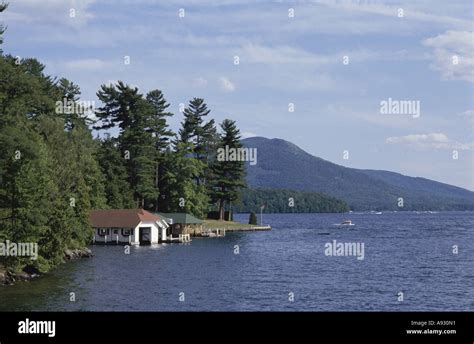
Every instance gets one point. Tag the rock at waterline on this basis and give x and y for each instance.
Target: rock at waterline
(78, 253)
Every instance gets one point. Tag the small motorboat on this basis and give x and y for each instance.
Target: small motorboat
(347, 223)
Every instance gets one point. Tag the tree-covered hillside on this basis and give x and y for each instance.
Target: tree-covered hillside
(283, 165)
(288, 201)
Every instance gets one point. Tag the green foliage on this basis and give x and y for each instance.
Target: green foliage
(253, 218)
(197, 140)
(181, 193)
(118, 193)
(201, 135)
(25, 93)
(49, 175)
(25, 187)
(126, 109)
(289, 201)
(3, 7)
(193, 128)
(228, 176)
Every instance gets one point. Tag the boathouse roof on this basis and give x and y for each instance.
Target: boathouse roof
(182, 218)
(121, 218)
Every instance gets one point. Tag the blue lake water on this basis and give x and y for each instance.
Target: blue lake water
(403, 252)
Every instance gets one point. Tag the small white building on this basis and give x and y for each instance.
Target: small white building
(127, 226)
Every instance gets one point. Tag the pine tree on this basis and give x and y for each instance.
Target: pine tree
(70, 95)
(70, 197)
(181, 193)
(253, 218)
(25, 183)
(140, 143)
(117, 189)
(86, 151)
(228, 175)
(203, 138)
(25, 93)
(49, 176)
(162, 136)
(195, 131)
(3, 7)
(126, 109)
(157, 122)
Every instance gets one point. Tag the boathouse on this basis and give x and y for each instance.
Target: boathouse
(181, 223)
(132, 226)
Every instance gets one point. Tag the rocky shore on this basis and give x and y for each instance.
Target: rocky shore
(28, 273)
(78, 253)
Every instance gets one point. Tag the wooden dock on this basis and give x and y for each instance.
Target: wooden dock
(250, 228)
(220, 232)
(213, 233)
(182, 238)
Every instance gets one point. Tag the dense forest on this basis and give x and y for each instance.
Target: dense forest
(288, 201)
(53, 171)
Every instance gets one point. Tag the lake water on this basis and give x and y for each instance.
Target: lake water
(403, 252)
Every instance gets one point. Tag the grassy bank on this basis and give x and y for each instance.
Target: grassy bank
(213, 224)
(228, 225)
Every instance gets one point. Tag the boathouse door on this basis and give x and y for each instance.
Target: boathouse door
(145, 235)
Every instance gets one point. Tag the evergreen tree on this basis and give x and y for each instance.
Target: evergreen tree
(276, 201)
(181, 193)
(87, 160)
(158, 125)
(161, 135)
(201, 135)
(228, 175)
(126, 109)
(25, 93)
(49, 176)
(253, 218)
(203, 138)
(3, 7)
(140, 143)
(69, 107)
(25, 183)
(117, 189)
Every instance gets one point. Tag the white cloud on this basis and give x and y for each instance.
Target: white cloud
(429, 141)
(247, 134)
(200, 82)
(447, 48)
(50, 12)
(467, 114)
(284, 54)
(226, 84)
(434, 137)
(409, 12)
(86, 64)
(281, 54)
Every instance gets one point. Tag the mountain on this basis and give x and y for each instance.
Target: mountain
(283, 165)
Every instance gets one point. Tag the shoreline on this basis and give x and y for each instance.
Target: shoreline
(251, 228)
(229, 226)
(8, 277)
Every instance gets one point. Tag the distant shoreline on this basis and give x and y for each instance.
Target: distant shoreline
(369, 212)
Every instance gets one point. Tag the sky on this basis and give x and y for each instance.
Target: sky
(315, 73)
